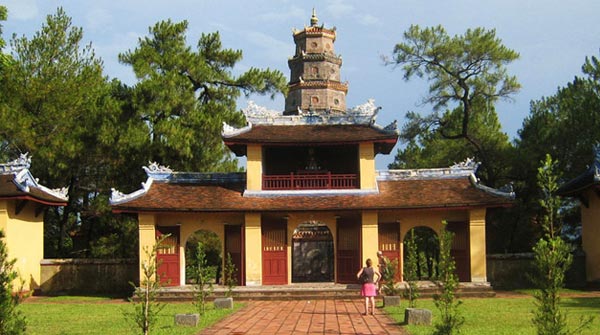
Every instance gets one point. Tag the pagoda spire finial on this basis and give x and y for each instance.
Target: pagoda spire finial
(313, 19)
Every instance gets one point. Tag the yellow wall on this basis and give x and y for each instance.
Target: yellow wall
(370, 236)
(477, 245)
(24, 238)
(590, 231)
(254, 167)
(147, 238)
(367, 166)
(253, 249)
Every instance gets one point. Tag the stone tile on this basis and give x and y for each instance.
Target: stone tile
(305, 317)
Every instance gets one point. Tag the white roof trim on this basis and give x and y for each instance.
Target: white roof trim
(117, 198)
(24, 181)
(458, 170)
(364, 114)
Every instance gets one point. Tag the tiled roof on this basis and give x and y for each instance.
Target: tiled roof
(393, 194)
(313, 134)
(37, 193)
(589, 178)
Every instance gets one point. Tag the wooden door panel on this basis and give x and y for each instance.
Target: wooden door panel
(233, 246)
(389, 244)
(348, 251)
(461, 250)
(274, 253)
(167, 256)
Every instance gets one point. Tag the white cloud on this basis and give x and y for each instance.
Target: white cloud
(21, 9)
(98, 19)
(368, 20)
(275, 49)
(289, 15)
(339, 9)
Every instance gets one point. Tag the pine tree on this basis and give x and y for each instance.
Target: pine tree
(182, 93)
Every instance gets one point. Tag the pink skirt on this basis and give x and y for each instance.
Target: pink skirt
(368, 290)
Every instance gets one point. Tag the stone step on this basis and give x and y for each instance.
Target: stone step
(309, 292)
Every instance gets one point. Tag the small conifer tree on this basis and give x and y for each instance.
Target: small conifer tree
(12, 321)
(410, 269)
(229, 275)
(388, 277)
(204, 275)
(447, 282)
(145, 305)
(552, 259)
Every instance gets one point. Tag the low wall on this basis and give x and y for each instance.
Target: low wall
(88, 276)
(512, 271)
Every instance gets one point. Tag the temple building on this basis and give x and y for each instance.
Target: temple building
(22, 203)
(311, 207)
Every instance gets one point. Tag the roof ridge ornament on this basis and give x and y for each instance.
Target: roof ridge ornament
(468, 163)
(20, 163)
(157, 171)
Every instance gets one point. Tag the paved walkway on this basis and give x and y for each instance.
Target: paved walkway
(305, 317)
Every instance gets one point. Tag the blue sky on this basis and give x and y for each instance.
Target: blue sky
(553, 38)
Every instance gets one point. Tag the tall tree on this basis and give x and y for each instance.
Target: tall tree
(467, 74)
(59, 109)
(566, 126)
(429, 148)
(183, 96)
(3, 57)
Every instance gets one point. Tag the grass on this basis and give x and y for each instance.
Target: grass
(97, 315)
(505, 316)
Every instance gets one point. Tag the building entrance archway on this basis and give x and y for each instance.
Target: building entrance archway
(312, 253)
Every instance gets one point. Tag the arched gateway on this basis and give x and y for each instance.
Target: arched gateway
(312, 253)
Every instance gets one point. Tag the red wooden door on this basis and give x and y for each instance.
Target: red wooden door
(233, 246)
(389, 244)
(167, 256)
(274, 253)
(460, 250)
(348, 251)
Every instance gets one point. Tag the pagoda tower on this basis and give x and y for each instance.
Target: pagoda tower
(315, 85)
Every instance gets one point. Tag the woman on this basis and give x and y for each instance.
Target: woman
(369, 285)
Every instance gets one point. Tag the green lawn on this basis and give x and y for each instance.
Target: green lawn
(504, 316)
(94, 315)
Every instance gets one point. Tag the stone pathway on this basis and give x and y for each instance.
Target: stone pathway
(305, 317)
